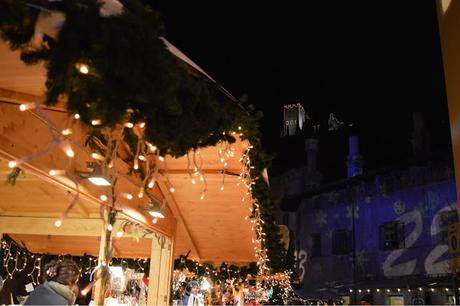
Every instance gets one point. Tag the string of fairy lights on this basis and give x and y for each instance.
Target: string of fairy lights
(141, 160)
(144, 149)
(402, 290)
(282, 278)
(66, 143)
(16, 259)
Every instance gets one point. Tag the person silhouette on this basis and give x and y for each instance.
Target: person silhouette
(192, 295)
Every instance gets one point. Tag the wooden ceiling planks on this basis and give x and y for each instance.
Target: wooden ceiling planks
(18, 77)
(35, 197)
(215, 225)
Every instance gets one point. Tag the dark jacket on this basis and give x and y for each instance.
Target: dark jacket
(51, 293)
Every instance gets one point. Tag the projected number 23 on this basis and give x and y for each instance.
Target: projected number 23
(301, 258)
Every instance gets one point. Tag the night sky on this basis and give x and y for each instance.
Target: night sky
(371, 64)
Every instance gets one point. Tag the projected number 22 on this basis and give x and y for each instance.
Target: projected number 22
(431, 265)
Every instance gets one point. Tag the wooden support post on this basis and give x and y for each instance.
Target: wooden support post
(104, 245)
(160, 271)
(170, 268)
(449, 30)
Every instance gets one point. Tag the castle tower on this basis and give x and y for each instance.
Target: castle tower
(294, 119)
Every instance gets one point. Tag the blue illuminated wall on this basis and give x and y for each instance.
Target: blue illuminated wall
(418, 196)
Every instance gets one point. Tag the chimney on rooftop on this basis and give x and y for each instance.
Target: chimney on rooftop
(354, 160)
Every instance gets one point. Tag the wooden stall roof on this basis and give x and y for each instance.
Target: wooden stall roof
(213, 229)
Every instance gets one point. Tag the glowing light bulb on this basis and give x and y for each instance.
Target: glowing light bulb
(193, 181)
(96, 122)
(129, 125)
(201, 178)
(109, 227)
(54, 172)
(172, 189)
(202, 196)
(141, 157)
(12, 164)
(161, 158)
(83, 68)
(129, 196)
(140, 195)
(70, 153)
(27, 106)
(152, 147)
(222, 188)
(136, 164)
(142, 125)
(119, 234)
(103, 198)
(242, 199)
(97, 156)
(76, 116)
(155, 220)
(67, 148)
(67, 132)
(58, 223)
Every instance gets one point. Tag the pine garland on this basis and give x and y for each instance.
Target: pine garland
(133, 77)
(218, 275)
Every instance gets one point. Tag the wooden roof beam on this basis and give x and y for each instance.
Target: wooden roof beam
(177, 213)
(45, 226)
